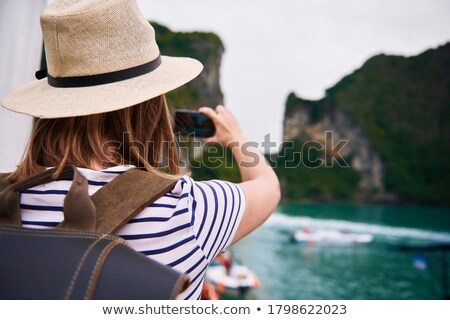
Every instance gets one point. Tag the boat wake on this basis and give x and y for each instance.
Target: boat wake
(291, 223)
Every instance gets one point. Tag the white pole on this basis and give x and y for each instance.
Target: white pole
(20, 54)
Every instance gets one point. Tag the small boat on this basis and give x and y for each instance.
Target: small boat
(230, 276)
(330, 236)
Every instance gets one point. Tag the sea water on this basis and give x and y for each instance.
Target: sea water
(377, 270)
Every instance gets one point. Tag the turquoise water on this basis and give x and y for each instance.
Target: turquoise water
(376, 270)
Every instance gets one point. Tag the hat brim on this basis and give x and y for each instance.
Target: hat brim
(39, 99)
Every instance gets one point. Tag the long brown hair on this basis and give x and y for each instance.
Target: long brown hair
(140, 135)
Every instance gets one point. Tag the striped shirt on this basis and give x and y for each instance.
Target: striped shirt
(184, 229)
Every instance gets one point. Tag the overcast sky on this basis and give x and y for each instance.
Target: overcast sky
(306, 46)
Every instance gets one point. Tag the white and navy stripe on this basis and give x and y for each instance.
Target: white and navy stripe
(184, 229)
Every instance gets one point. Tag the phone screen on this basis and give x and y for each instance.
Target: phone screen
(189, 122)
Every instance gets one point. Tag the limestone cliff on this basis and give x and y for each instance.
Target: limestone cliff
(300, 123)
(394, 111)
(203, 46)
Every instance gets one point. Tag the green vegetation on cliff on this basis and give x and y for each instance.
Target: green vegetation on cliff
(215, 163)
(309, 181)
(402, 105)
(203, 46)
(316, 109)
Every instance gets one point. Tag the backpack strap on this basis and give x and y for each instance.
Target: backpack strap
(79, 210)
(116, 203)
(5, 217)
(4, 180)
(126, 195)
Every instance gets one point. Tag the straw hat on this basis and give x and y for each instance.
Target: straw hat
(101, 56)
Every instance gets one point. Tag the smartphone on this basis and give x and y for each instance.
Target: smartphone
(191, 122)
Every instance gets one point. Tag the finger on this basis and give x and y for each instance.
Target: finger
(209, 112)
(224, 111)
(205, 109)
(210, 140)
(220, 109)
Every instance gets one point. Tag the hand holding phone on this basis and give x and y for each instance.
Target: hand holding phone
(228, 130)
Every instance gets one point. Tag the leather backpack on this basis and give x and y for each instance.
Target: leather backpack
(80, 258)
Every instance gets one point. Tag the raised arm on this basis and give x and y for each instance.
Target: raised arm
(260, 183)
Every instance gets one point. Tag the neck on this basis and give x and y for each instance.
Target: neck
(95, 164)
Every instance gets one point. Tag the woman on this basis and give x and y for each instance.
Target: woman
(102, 108)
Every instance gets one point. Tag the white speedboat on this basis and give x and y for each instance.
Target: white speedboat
(330, 236)
(236, 278)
